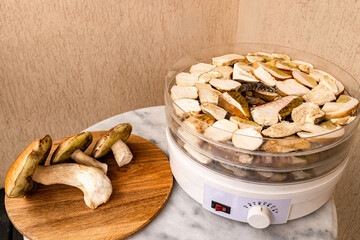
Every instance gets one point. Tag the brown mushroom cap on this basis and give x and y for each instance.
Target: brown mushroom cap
(63, 152)
(103, 145)
(18, 180)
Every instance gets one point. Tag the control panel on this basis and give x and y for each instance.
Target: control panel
(257, 212)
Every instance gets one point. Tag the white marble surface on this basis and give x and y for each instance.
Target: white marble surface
(185, 219)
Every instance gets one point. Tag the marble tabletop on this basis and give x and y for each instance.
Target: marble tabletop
(183, 218)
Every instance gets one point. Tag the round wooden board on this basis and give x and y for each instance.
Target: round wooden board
(140, 190)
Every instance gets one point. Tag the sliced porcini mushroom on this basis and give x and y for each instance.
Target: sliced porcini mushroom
(207, 76)
(270, 113)
(265, 77)
(208, 95)
(195, 154)
(318, 74)
(225, 84)
(266, 56)
(253, 59)
(201, 85)
(221, 130)
(189, 137)
(319, 95)
(291, 87)
(343, 121)
(180, 92)
(329, 83)
(286, 65)
(307, 112)
(265, 174)
(243, 123)
(275, 72)
(316, 133)
(281, 129)
(199, 122)
(214, 110)
(299, 175)
(186, 79)
(265, 95)
(114, 140)
(235, 103)
(328, 125)
(288, 144)
(300, 62)
(201, 68)
(235, 170)
(25, 172)
(344, 106)
(183, 106)
(226, 71)
(73, 149)
(241, 73)
(247, 138)
(304, 79)
(281, 56)
(228, 59)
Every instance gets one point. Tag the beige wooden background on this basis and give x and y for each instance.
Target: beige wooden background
(65, 65)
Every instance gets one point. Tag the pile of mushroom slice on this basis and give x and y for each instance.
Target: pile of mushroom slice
(87, 174)
(260, 102)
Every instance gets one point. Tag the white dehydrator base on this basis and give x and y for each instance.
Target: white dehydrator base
(201, 184)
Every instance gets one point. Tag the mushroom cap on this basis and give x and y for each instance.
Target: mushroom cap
(67, 147)
(103, 145)
(18, 180)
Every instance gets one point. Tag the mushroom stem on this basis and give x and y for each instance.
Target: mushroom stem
(81, 158)
(95, 185)
(121, 153)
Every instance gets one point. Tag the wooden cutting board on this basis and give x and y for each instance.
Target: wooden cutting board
(140, 190)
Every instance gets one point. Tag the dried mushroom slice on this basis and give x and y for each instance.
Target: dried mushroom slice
(199, 122)
(254, 100)
(235, 104)
(276, 73)
(207, 76)
(180, 92)
(225, 71)
(328, 125)
(288, 144)
(201, 68)
(342, 121)
(241, 73)
(208, 95)
(282, 129)
(291, 87)
(344, 106)
(186, 79)
(247, 138)
(243, 123)
(235, 170)
(221, 130)
(253, 59)
(195, 154)
(316, 133)
(319, 95)
(183, 106)
(307, 112)
(228, 59)
(270, 113)
(329, 83)
(265, 77)
(286, 65)
(300, 62)
(266, 56)
(225, 84)
(318, 74)
(281, 56)
(217, 112)
(304, 79)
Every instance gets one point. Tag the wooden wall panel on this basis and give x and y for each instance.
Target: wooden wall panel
(67, 64)
(330, 29)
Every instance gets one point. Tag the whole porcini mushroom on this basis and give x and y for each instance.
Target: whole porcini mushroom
(25, 172)
(115, 140)
(73, 148)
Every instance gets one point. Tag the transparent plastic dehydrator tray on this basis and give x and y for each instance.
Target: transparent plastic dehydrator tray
(325, 153)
